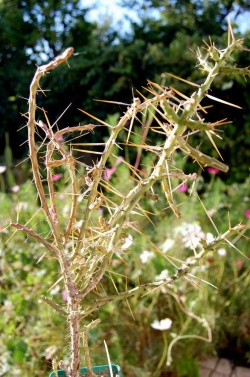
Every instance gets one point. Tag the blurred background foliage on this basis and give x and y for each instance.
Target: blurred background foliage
(110, 63)
(32, 334)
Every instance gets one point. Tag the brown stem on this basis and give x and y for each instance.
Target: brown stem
(74, 326)
(32, 233)
(40, 72)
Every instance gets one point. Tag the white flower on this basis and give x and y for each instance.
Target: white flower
(80, 198)
(162, 325)
(50, 351)
(167, 245)
(40, 272)
(8, 305)
(65, 210)
(209, 237)
(21, 206)
(146, 256)
(55, 290)
(127, 242)
(192, 234)
(78, 224)
(211, 212)
(222, 252)
(163, 275)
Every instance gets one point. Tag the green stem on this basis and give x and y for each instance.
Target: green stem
(2, 184)
(164, 354)
(211, 183)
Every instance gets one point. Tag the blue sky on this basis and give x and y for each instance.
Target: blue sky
(110, 9)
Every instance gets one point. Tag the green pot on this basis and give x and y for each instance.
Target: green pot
(102, 371)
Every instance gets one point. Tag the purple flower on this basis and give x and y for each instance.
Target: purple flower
(247, 213)
(56, 177)
(212, 170)
(182, 188)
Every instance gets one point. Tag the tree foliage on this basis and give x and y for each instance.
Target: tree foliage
(32, 32)
(109, 64)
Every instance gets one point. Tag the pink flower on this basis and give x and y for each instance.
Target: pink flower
(107, 174)
(56, 177)
(239, 264)
(212, 170)
(15, 188)
(119, 160)
(182, 188)
(2, 169)
(64, 295)
(60, 138)
(247, 213)
(100, 210)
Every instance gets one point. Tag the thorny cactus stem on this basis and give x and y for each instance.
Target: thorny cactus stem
(93, 242)
(51, 212)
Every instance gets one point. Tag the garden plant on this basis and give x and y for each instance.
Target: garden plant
(95, 233)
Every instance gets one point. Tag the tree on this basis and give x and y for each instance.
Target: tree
(109, 64)
(32, 32)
